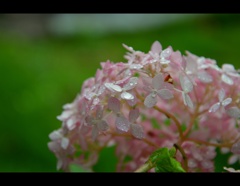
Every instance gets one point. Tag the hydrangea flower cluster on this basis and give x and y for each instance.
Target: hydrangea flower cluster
(155, 99)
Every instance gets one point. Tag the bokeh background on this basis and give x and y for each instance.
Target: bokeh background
(45, 58)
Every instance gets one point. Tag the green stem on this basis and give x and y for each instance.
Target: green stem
(145, 167)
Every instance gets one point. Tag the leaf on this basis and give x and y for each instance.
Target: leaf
(164, 161)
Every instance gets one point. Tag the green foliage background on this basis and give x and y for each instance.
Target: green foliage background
(38, 76)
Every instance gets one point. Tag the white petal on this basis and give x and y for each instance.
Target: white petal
(226, 101)
(64, 143)
(165, 94)
(166, 53)
(205, 77)
(228, 68)
(133, 115)
(150, 100)
(131, 84)
(137, 131)
(186, 84)
(135, 66)
(221, 95)
(114, 104)
(113, 87)
(102, 125)
(227, 79)
(55, 135)
(233, 112)
(122, 124)
(215, 107)
(65, 114)
(188, 101)
(127, 96)
(233, 159)
(71, 123)
(158, 81)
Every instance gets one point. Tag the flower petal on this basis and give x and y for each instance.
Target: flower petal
(156, 47)
(112, 87)
(150, 100)
(186, 84)
(122, 124)
(236, 148)
(137, 131)
(114, 104)
(127, 96)
(64, 143)
(227, 79)
(233, 112)
(221, 95)
(226, 101)
(165, 94)
(187, 100)
(94, 132)
(157, 81)
(131, 83)
(133, 115)
(205, 77)
(215, 107)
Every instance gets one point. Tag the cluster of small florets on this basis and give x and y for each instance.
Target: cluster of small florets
(155, 99)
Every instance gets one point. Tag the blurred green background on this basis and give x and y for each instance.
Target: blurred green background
(44, 60)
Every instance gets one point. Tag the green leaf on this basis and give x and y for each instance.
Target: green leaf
(164, 161)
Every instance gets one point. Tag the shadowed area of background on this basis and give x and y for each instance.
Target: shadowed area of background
(45, 58)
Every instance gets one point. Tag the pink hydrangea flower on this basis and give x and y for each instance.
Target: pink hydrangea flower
(155, 99)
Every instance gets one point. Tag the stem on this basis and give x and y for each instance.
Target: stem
(128, 135)
(145, 167)
(173, 118)
(183, 155)
(209, 143)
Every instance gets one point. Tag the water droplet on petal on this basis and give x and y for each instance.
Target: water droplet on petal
(150, 101)
(122, 124)
(133, 115)
(205, 77)
(127, 96)
(137, 131)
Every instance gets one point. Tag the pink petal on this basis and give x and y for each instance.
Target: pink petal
(127, 96)
(64, 143)
(236, 148)
(133, 115)
(156, 47)
(233, 159)
(114, 104)
(157, 81)
(186, 84)
(137, 131)
(205, 77)
(233, 112)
